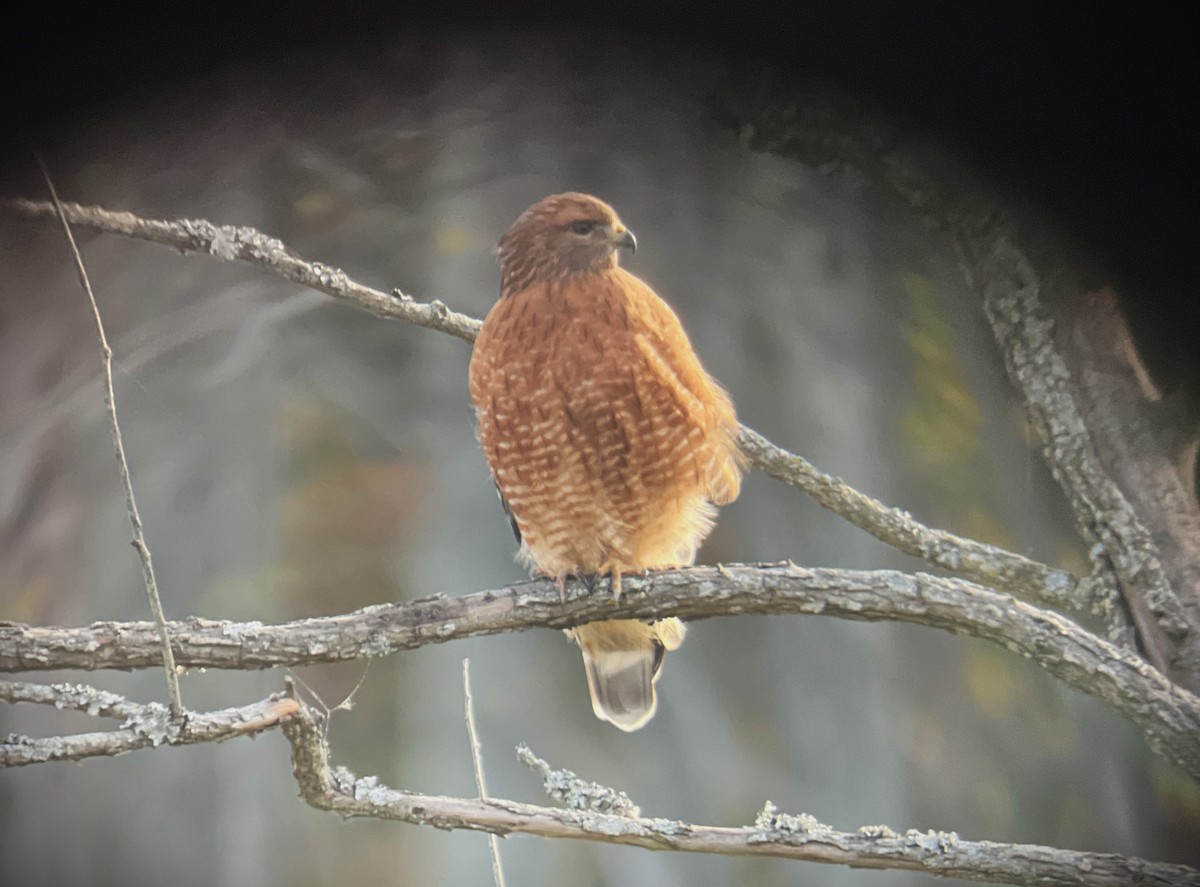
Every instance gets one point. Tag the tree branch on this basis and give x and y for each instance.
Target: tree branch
(773, 834)
(1168, 715)
(976, 561)
(72, 697)
(245, 244)
(972, 560)
(145, 726)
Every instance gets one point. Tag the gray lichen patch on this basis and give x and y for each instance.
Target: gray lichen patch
(932, 842)
(574, 793)
(771, 826)
(154, 722)
(90, 700)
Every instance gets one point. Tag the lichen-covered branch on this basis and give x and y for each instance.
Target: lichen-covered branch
(240, 243)
(72, 697)
(144, 726)
(772, 834)
(977, 561)
(1168, 715)
(972, 560)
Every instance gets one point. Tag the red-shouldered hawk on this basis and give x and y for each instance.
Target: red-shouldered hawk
(609, 443)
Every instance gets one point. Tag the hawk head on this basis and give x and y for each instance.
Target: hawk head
(560, 235)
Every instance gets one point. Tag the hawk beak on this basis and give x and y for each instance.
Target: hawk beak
(626, 240)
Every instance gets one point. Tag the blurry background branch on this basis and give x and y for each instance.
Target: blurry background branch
(1168, 715)
(337, 790)
(965, 557)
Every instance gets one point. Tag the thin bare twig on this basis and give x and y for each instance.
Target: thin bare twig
(327, 710)
(144, 726)
(1168, 715)
(110, 403)
(973, 560)
(772, 834)
(477, 764)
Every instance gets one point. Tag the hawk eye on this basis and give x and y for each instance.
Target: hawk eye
(582, 228)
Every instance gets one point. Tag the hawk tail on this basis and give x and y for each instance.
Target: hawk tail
(623, 659)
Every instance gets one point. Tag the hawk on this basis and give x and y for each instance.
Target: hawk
(608, 442)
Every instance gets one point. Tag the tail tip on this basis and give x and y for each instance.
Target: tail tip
(628, 720)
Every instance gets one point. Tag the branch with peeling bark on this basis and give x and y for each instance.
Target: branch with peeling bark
(1168, 715)
(597, 813)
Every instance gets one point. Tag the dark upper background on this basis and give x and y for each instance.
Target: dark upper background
(1086, 110)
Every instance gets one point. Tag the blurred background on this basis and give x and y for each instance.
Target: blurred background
(296, 457)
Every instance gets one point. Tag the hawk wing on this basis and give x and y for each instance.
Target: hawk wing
(662, 342)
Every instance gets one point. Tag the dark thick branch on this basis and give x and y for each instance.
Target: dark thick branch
(144, 726)
(1170, 717)
(1064, 342)
(1105, 516)
(773, 834)
(1073, 357)
(965, 557)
